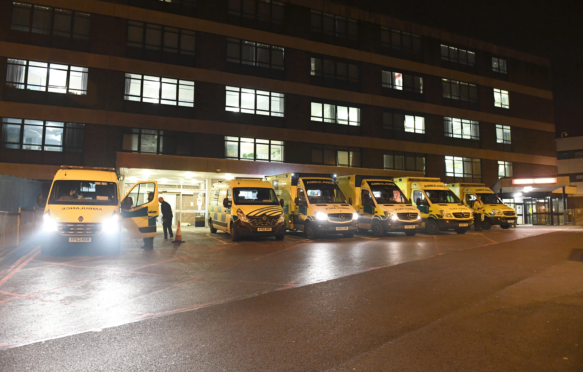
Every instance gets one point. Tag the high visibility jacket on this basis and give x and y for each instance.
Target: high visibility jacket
(478, 206)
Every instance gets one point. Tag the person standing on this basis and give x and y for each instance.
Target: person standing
(478, 210)
(166, 217)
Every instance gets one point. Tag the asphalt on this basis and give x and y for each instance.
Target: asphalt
(498, 301)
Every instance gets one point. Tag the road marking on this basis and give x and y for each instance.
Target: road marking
(31, 255)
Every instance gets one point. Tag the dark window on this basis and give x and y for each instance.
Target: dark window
(41, 135)
(333, 25)
(261, 10)
(400, 81)
(329, 113)
(334, 72)
(400, 40)
(337, 156)
(161, 38)
(148, 141)
(50, 21)
(456, 55)
(255, 54)
(399, 122)
(499, 65)
(458, 90)
(563, 155)
(404, 161)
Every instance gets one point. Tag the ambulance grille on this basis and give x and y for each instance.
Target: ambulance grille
(407, 216)
(508, 213)
(74, 229)
(260, 221)
(340, 217)
(462, 215)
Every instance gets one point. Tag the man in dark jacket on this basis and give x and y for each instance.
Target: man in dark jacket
(166, 217)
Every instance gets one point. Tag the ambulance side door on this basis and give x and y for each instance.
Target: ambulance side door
(140, 209)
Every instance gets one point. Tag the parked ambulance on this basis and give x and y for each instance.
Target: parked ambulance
(83, 208)
(314, 204)
(495, 212)
(381, 205)
(246, 207)
(440, 208)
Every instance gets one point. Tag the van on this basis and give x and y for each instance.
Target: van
(245, 207)
(83, 208)
(314, 204)
(440, 208)
(381, 205)
(495, 212)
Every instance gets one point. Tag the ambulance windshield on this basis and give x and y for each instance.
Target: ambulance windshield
(254, 195)
(84, 193)
(388, 194)
(323, 192)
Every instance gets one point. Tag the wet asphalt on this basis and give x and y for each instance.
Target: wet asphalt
(501, 300)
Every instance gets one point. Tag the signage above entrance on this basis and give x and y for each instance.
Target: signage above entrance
(534, 181)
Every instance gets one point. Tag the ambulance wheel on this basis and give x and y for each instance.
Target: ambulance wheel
(377, 229)
(280, 236)
(486, 224)
(432, 227)
(410, 233)
(235, 236)
(213, 230)
(362, 231)
(309, 231)
(505, 226)
(461, 230)
(348, 235)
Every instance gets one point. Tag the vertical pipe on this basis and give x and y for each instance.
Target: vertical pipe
(564, 208)
(206, 193)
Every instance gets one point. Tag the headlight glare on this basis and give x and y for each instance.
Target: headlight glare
(111, 224)
(281, 218)
(355, 216)
(446, 214)
(418, 216)
(242, 216)
(496, 212)
(321, 216)
(49, 223)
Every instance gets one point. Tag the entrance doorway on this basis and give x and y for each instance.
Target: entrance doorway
(537, 211)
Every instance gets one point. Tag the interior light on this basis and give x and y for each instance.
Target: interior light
(163, 180)
(533, 181)
(229, 176)
(527, 188)
(146, 172)
(518, 194)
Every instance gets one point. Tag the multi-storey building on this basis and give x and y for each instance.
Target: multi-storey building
(187, 91)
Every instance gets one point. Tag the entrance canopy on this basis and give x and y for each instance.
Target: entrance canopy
(534, 185)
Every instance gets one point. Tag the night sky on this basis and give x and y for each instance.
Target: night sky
(550, 29)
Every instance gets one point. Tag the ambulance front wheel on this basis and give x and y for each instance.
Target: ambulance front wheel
(410, 233)
(432, 227)
(309, 231)
(461, 230)
(235, 235)
(377, 229)
(486, 224)
(213, 230)
(280, 236)
(505, 226)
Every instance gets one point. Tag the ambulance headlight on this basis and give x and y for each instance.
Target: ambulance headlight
(391, 216)
(281, 218)
(446, 214)
(242, 216)
(418, 216)
(111, 224)
(321, 216)
(49, 223)
(496, 212)
(355, 216)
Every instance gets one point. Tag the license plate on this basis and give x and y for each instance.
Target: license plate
(79, 240)
(264, 229)
(463, 225)
(409, 226)
(342, 228)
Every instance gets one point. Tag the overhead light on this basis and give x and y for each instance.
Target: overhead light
(229, 176)
(188, 174)
(163, 180)
(517, 195)
(146, 172)
(527, 188)
(533, 181)
(132, 179)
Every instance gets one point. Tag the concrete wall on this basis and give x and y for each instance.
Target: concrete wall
(16, 192)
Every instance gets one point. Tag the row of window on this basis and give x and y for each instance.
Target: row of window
(148, 36)
(255, 54)
(39, 135)
(44, 20)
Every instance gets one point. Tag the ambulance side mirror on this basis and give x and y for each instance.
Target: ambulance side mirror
(350, 201)
(297, 201)
(226, 203)
(281, 202)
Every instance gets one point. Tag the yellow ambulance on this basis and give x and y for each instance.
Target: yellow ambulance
(83, 208)
(314, 204)
(381, 205)
(495, 212)
(440, 208)
(245, 207)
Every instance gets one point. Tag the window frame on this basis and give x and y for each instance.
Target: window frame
(351, 111)
(389, 81)
(456, 85)
(350, 25)
(455, 55)
(181, 33)
(389, 41)
(499, 67)
(162, 82)
(67, 129)
(503, 129)
(465, 164)
(404, 158)
(499, 95)
(49, 67)
(449, 128)
(76, 17)
(336, 77)
(271, 145)
(240, 108)
(241, 61)
(237, 8)
(505, 169)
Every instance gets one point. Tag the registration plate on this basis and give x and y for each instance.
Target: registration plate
(409, 226)
(79, 240)
(463, 225)
(264, 229)
(342, 228)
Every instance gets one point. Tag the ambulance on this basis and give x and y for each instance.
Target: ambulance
(440, 208)
(314, 204)
(246, 207)
(83, 208)
(495, 212)
(381, 205)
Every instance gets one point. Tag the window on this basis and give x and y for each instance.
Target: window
(41, 19)
(504, 169)
(404, 161)
(253, 149)
(251, 101)
(148, 141)
(46, 77)
(331, 155)
(335, 114)
(399, 81)
(461, 128)
(563, 155)
(338, 71)
(501, 98)
(261, 10)
(503, 134)
(458, 90)
(160, 38)
(467, 169)
(333, 25)
(40, 135)
(403, 123)
(348, 158)
(255, 54)
(153, 89)
(400, 40)
(456, 55)
(499, 65)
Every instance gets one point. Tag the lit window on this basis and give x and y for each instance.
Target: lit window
(253, 149)
(404, 161)
(160, 38)
(503, 134)
(459, 90)
(154, 89)
(504, 169)
(466, 169)
(400, 40)
(40, 135)
(456, 55)
(499, 65)
(41, 19)
(501, 98)
(461, 128)
(414, 124)
(334, 25)
(348, 158)
(255, 54)
(261, 10)
(397, 122)
(46, 77)
(149, 141)
(334, 70)
(335, 114)
(251, 101)
(399, 81)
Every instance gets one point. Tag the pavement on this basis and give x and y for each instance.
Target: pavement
(500, 300)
